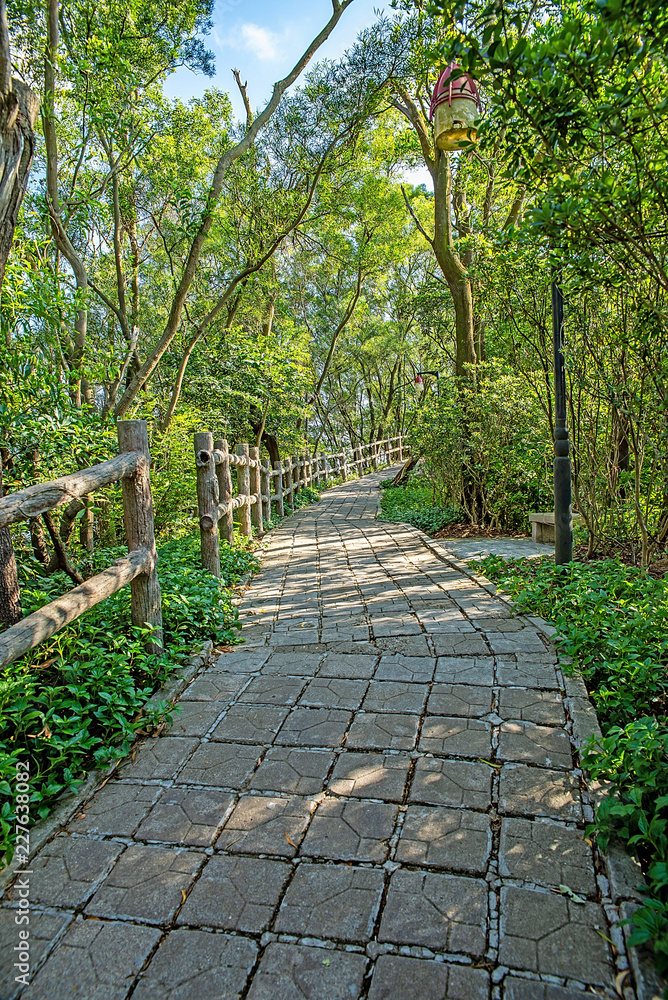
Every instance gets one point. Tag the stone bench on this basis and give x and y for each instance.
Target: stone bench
(542, 526)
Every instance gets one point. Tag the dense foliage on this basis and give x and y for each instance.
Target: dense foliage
(612, 621)
(415, 504)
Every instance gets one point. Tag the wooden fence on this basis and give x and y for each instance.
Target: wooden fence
(138, 568)
(259, 486)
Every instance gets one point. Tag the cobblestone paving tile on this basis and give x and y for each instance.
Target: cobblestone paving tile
(220, 765)
(186, 816)
(465, 670)
(194, 718)
(350, 830)
(193, 964)
(529, 989)
(525, 641)
(545, 708)
(466, 700)
(443, 912)
(456, 783)
(115, 810)
(524, 741)
(273, 690)
(214, 685)
(297, 664)
(331, 901)
(460, 645)
(98, 960)
(146, 883)
(43, 929)
(547, 854)
(455, 839)
(236, 894)
(297, 972)
(532, 791)
(66, 871)
(243, 659)
(526, 673)
(547, 933)
(334, 692)
(251, 723)
(314, 727)
(385, 625)
(416, 645)
(383, 731)
(158, 758)
(302, 772)
(357, 666)
(456, 736)
(375, 776)
(260, 824)
(397, 977)
(395, 696)
(396, 667)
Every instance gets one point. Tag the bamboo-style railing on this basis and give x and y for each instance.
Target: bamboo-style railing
(259, 487)
(138, 568)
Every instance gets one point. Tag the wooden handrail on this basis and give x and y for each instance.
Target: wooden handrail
(38, 499)
(259, 486)
(138, 568)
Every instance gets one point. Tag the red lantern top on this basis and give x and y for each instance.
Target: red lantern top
(419, 380)
(453, 84)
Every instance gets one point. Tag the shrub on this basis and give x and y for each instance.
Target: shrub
(79, 700)
(414, 504)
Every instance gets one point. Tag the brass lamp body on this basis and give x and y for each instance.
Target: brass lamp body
(454, 124)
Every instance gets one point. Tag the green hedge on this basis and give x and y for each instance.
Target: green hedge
(613, 621)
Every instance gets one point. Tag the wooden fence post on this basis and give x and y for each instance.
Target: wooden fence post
(344, 465)
(138, 514)
(289, 488)
(207, 501)
(401, 448)
(265, 486)
(280, 506)
(243, 486)
(226, 523)
(256, 489)
(374, 456)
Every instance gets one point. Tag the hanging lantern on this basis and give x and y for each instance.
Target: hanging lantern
(455, 108)
(419, 382)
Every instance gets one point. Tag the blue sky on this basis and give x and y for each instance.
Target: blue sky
(263, 39)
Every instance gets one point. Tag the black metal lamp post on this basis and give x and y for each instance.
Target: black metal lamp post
(563, 511)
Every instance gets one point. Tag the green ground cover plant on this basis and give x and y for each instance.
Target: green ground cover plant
(414, 504)
(80, 700)
(612, 620)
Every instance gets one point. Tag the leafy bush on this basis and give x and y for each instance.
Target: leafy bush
(486, 446)
(79, 700)
(612, 621)
(414, 504)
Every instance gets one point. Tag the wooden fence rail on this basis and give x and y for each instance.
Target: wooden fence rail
(138, 568)
(259, 488)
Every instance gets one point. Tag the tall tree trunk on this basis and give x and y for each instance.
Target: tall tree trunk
(10, 594)
(19, 108)
(206, 221)
(453, 269)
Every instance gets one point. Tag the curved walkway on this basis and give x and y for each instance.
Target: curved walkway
(375, 797)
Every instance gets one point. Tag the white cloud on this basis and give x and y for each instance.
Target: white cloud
(264, 45)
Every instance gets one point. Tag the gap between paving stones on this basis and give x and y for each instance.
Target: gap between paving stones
(251, 883)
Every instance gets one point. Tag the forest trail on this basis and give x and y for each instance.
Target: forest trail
(374, 797)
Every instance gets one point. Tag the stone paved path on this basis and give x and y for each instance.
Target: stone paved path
(373, 798)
